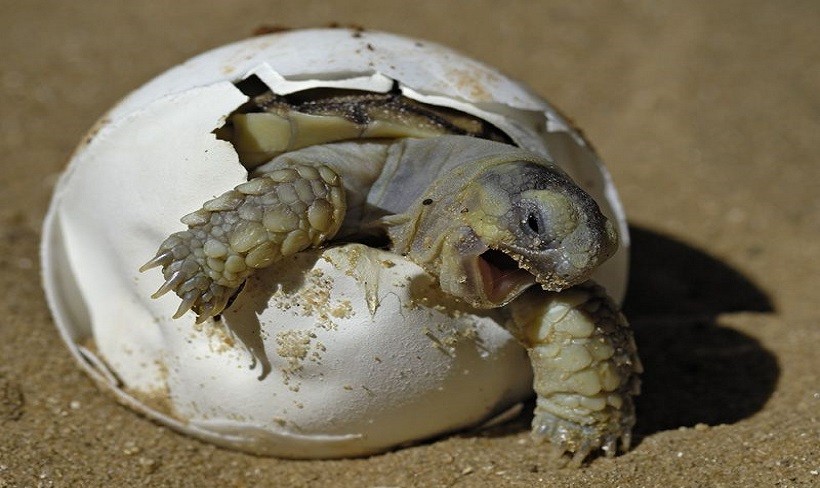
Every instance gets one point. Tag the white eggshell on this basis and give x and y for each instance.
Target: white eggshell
(347, 351)
(154, 158)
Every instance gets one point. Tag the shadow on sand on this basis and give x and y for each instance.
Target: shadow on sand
(695, 370)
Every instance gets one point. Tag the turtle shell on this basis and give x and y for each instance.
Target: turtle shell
(312, 360)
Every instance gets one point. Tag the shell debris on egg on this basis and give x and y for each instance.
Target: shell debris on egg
(341, 351)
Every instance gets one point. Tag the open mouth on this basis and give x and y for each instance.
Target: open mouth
(502, 277)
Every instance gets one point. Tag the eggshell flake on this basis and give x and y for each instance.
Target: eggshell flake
(374, 357)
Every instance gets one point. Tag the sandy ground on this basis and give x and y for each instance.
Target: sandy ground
(708, 114)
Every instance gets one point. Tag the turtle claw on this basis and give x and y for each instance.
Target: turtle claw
(626, 441)
(256, 224)
(187, 276)
(161, 259)
(564, 436)
(610, 447)
(188, 302)
(170, 284)
(577, 440)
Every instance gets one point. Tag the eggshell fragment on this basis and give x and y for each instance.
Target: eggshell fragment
(334, 353)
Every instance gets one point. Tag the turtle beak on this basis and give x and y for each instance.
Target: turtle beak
(501, 276)
(489, 278)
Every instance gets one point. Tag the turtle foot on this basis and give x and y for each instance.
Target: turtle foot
(577, 440)
(245, 229)
(585, 366)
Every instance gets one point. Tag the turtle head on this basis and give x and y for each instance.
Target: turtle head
(523, 223)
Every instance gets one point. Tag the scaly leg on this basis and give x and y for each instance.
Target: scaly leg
(250, 227)
(586, 369)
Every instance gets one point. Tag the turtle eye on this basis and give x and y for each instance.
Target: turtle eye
(534, 222)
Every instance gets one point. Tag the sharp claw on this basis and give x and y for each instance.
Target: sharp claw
(203, 316)
(578, 457)
(169, 284)
(610, 447)
(160, 259)
(626, 441)
(207, 309)
(555, 453)
(574, 442)
(219, 306)
(213, 302)
(188, 302)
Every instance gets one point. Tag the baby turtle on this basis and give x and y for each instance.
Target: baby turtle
(453, 194)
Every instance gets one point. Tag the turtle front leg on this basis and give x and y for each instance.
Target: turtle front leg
(250, 227)
(585, 366)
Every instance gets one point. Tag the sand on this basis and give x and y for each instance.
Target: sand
(708, 115)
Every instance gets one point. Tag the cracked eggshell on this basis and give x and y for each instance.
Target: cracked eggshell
(154, 158)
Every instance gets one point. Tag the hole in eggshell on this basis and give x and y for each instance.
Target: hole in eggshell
(268, 124)
(252, 86)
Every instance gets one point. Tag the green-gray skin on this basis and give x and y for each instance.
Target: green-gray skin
(486, 218)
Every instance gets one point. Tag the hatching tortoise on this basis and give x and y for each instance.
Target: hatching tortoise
(452, 193)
